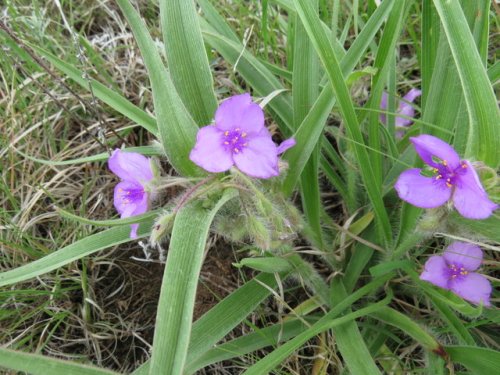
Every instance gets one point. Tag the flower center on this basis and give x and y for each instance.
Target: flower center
(456, 271)
(131, 195)
(444, 173)
(234, 140)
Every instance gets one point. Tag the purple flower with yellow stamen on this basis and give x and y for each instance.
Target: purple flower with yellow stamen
(455, 271)
(404, 108)
(451, 178)
(131, 195)
(239, 138)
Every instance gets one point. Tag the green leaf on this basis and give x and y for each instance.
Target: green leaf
(187, 59)
(487, 228)
(311, 128)
(305, 86)
(42, 365)
(248, 343)
(252, 70)
(481, 361)
(349, 340)
(215, 20)
(327, 322)
(176, 127)
(484, 116)
(408, 326)
(144, 150)
(265, 264)
(108, 96)
(178, 289)
(210, 328)
(326, 53)
(70, 253)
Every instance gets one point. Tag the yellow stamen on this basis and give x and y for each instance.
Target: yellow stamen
(236, 150)
(439, 176)
(445, 163)
(226, 143)
(226, 133)
(243, 135)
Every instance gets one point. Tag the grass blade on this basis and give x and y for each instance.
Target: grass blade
(408, 326)
(178, 290)
(312, 127)
(108, 96)
(325, 51)
(350, 341)
(176, 127)
(210, 328)
(484, 134)
(187, 59)
(305, 83)
(479, 360)
(327, 322)
(70, 253)
(42, 365)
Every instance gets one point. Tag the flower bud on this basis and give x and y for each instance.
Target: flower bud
(161, 228)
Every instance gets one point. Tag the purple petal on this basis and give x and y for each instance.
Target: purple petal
(421, 191)
(470, 198)
(259, 159)
(383, 106)
(285, 145)
(133, 230)
(428, 146)
(436, 272)
(406, 109)
(130, 166)
(474, 288)
(126, 196)
(209, 151)
(130, 199)
(463, 254)
(240, 112)
(412, 95)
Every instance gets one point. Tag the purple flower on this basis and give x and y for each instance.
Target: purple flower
(451, 178)
(403, 109)
(454, 271)
(131, 197)
(239, 138)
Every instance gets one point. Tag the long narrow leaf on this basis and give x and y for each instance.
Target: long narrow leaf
(42, 365)
(187, 59)
(484, 135)
(176, 127)
(312, 127)
(210, 328)
(178, 289)
(76, 250)
(324, 49)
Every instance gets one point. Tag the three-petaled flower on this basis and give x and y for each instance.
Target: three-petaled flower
(455, 271)
(131, 195)
(404, 108)
(239, 138)
(451, 178)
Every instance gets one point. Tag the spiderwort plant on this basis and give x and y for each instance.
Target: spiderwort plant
(451, 178)
(404, 108)
(133, 194)
(239, 138)
(454, 271)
